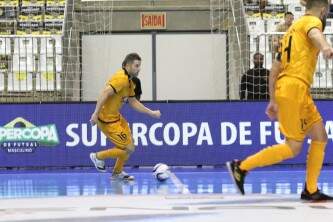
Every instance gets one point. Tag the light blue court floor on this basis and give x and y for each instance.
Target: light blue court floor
(189, 195)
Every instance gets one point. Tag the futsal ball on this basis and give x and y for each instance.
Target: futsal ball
(161, 172)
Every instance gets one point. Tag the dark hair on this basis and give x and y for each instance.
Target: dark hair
(257, 54)
(130, 58)
(288, 13)
(313, 3)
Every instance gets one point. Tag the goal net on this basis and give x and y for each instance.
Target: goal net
(255, 28)
(43, 45)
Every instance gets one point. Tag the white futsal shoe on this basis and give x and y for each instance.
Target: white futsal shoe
(99, 164)
(122, 176)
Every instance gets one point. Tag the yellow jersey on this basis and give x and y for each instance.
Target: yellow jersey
(123, 88)
(298, 54)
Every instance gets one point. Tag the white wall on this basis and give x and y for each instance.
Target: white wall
(102, 55)
(188, 66)
(191, 66)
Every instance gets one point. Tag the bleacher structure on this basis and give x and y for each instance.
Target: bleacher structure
(40, 42)
(262, 28)
(31, 49)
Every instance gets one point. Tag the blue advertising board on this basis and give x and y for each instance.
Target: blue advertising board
(199, 133)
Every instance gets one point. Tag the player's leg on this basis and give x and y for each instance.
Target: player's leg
(99, 158)
(290, 127)
(113, 153)
(118, 172)
(122, 138)
(272, 155)
(121, 154)
(119, 137)
(269, 156)
(316, 153)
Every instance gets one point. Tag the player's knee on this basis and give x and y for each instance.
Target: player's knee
(295, 147)
(318, 133)
(130, 148)
(296, 151)
(324, 137)
(320, 137)
(319, 144)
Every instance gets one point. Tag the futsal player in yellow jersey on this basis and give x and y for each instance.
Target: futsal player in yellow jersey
(117, 91)
(291, 103)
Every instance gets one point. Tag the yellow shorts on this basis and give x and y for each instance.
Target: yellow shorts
(296, 110)
(118, 132)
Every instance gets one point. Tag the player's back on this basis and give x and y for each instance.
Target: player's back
(298, 54)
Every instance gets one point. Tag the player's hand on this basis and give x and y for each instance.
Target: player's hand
(156, 114)
(94, 119)
(328, 53)
(272, 110)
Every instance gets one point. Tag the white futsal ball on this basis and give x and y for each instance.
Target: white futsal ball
(161, 172)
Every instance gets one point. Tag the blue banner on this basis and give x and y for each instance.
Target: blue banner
(205, 133)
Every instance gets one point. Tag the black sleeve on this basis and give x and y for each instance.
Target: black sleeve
(138, 90)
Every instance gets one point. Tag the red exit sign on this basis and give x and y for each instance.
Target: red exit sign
(153, 20)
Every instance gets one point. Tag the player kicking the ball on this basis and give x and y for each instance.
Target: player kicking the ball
(118, 90)
(291, 102)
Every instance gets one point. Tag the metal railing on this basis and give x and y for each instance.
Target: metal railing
(30, 68)
(267, 44)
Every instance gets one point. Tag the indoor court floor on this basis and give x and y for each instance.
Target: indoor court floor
(191, 194)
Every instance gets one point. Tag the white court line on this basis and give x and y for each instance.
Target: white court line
(179, 185)
(272, 208)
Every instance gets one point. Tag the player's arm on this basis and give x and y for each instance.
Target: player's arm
(138, 106)
(272, 108)
(318, 40)
(106, 93)
(276, 38)
(273, 74)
